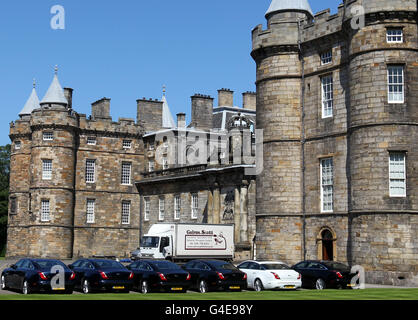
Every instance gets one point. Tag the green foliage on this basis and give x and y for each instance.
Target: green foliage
(4, 194)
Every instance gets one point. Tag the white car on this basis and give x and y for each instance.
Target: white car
(269, 275)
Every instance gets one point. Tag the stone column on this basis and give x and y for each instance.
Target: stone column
(216, 205)
(237, 214)
(244, 212)
(210, 206)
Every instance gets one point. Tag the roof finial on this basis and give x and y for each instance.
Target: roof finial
(34, 83)
(56, 69)
(164, 89)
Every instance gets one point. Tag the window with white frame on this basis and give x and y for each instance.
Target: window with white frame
(126, 212)
(90, 171)
(397, 174)
(326, 57)
(127, 144)
(177, 206)
(91, 141)
(18, 145)
(126, 173)
(46, 169)
(327, 96)
(161, 210)
(48, 136)
(151, 166)
(45, 212)
(195, 205)
(147, 209)
(90, 210)
(151, 146)
(396, 84)
(13, 205)
(327, 185)
(394, 35)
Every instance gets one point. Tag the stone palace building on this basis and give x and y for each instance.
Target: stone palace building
(337, 100)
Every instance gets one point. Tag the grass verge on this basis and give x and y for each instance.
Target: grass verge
(367, 294)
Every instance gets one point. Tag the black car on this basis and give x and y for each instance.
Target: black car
(324, 274)
(38, 275)
(213, 275)
(101, 275)
(152, 275)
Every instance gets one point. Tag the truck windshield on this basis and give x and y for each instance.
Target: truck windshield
(150, 242)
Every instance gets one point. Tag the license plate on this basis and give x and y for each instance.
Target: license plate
(234, 288)
(350, 285)
(118, 288)
(58, 289)
(289, 287)
(176, 289)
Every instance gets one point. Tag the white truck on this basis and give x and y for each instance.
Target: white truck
(182, 242)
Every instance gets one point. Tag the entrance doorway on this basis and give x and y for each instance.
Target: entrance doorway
(326, 245)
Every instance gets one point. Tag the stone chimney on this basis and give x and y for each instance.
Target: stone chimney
(150, 114)
(68, 93)
(249, 100)
(100, 110)
(202, 112)
(181, 120)
(225, 98)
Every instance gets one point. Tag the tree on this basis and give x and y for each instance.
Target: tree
(4, 193)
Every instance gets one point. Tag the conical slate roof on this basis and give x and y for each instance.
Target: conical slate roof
(289, 5)
(168, 121)
(31, 104)
(55, 93)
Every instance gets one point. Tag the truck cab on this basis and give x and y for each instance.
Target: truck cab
(157, 243)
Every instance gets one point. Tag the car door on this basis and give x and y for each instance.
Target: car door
(78, 269)
(21, 273)
(314, 271)
(245, 267)
(301, 268)
(252, 274)
(194, 273)
(11, 278)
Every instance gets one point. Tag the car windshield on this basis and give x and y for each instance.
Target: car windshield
(49, 264)
(166, 265)
(108, 264)
(150, 242)
(275, 266)
(336, 266)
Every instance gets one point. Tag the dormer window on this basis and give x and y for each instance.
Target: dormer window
(326, 57)
(394, 35)
(48, 136)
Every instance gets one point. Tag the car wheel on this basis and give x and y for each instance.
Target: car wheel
(320, 284)
(144, 287)
(203, 287)
(86, 287)
(3, 283)
(258, 285)
(25, 288)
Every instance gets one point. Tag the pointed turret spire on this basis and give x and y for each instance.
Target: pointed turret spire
(168, 120)
(55, 93)
(289, 5)
(32, 103)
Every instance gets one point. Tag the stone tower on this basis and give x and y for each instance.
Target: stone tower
(45, 160)
(279, 95)
(383, 229)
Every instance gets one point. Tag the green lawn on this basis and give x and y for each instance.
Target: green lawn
(368, 294)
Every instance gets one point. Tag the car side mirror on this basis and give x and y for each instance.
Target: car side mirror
(13, 266)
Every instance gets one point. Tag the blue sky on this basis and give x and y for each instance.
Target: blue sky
(128, 49)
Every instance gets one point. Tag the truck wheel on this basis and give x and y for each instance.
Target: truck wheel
(203, 287)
